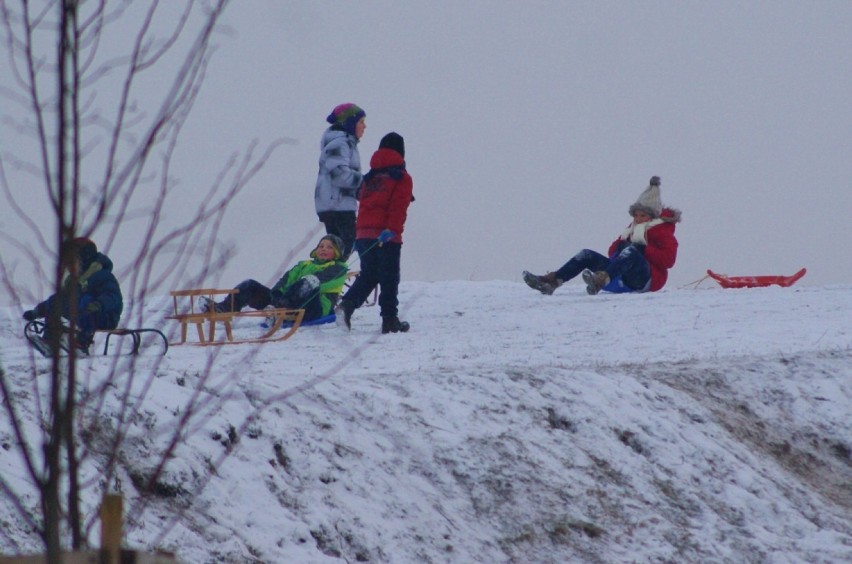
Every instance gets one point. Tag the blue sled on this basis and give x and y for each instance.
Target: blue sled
(330, 318)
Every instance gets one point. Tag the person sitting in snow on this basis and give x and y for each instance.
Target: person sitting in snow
(638, 260)
(313, 285)
(96, 293)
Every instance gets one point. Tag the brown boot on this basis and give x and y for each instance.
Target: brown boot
(546, 284)
(595, 281)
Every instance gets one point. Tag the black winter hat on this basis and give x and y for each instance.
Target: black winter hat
(393, 141)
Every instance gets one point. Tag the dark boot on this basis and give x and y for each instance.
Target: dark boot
(206, 305)
(344, 311)
(394, 325)
(51, 339)
(84, 341)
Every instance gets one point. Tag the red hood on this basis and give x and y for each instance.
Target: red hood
(670, 215)
(383, 158)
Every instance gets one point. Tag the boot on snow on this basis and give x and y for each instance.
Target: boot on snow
(595, 281)
(343, 312)
(546, 284)
(394, 325)
(84, 341)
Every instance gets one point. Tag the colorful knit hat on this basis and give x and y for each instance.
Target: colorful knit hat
(346, 116)
(649, 200)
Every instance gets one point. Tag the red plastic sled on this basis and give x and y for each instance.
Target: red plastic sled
(755, 281)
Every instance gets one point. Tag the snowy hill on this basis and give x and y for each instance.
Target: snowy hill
(690, 425)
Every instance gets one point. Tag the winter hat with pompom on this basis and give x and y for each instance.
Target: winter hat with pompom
(346, 116)
(649, 200)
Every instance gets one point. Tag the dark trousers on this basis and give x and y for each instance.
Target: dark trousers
(87, 322)
(629, 264)
(342, 224)
(379, 267)
(255, 295)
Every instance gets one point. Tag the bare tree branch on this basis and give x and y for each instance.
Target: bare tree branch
(102, 163)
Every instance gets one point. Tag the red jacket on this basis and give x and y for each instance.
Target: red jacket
(661, 250)
(384, 197)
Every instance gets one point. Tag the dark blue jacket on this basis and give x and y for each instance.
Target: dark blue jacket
(101, 286)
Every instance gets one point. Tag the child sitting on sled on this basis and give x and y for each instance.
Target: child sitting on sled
(94, 289)
(313, 285)
(637, 261)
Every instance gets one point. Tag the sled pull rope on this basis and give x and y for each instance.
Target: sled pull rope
(694, 285)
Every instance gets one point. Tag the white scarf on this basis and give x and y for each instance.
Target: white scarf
(635, 232)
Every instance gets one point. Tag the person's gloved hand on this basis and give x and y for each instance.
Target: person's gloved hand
(30, 315)
(93, 307)
(386, 236)
(655, 181)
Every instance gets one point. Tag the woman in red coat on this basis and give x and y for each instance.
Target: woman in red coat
(639, 259)
(383, 206)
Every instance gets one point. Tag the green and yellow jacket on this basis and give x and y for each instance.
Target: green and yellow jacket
(331, 275)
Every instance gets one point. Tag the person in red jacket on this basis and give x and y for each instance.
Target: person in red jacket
(638, 260)
(384, 197)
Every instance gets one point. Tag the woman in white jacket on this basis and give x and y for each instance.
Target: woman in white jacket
(339, 175)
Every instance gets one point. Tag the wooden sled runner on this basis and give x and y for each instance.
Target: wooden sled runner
(755, 281)
(292, 317)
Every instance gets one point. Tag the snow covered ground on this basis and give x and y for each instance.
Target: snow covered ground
(689, 425)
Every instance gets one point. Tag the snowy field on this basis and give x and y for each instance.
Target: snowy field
(689, 425)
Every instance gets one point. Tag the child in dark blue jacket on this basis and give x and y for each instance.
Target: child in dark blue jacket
(97, 292)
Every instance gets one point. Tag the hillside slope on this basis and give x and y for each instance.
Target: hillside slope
(682, 426)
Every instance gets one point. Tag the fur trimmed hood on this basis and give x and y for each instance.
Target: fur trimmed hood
(670, 215)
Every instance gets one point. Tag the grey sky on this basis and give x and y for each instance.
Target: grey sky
(530, 127)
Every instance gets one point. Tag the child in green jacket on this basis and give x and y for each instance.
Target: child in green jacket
(313, 285)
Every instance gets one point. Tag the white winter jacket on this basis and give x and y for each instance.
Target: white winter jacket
(339, 173)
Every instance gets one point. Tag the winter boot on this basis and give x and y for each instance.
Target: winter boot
(50, 339)
(394, 325)
(84, 341)
(545, 284)
(595, 281)
(207, 305)
(343, 312)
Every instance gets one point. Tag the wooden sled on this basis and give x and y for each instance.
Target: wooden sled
(293, 317)
(755, 281)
